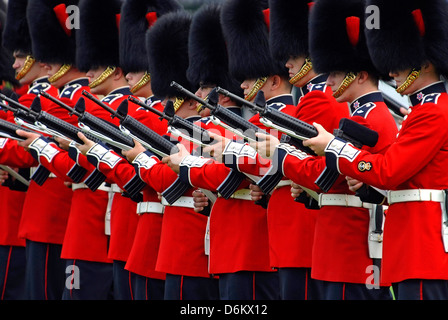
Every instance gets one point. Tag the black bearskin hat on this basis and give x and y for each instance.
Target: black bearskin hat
(245, 25)
(97, 38)
(51, 39)
(167, 47)
(337, 39)
(288, 35)
(207, 51)
(16, 34)
(136, 17)
(410, 33)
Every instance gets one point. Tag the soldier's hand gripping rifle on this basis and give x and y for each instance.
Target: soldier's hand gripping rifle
(8, 130)
(97, 127)
(348, 130)
(149, 139)
(235, 124)
(178, 126)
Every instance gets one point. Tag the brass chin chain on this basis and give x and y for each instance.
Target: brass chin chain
(413, 75)
(349, 78)
(26, 67)
(257, 86)
(61, 72)
(307, 66)
(102, 77)
(178, 103)
(146, 78)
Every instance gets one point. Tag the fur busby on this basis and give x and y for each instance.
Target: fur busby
(245, 25)
(337, 39)
(97, 39)
(209, 62)
(288, 35)
(51, 40)
(167, 47)
(7, 73)
(136, 17)
(16, 34)
(410, 33)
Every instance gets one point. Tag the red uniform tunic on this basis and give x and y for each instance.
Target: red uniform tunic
(10, 213)
(143, 250)
(413, 247)
(238, 228)
(181, 250)
(340, 251)
(46, 208)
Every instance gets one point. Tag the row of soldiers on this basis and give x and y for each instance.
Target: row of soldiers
(270, 217)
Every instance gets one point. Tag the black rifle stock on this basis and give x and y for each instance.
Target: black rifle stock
(195, 133)
(8, 130)
(100, 128)
(132, 127)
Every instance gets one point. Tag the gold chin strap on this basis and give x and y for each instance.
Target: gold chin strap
(257, 86)
(145, 79)
(178, 103)
(307, 66)
(349, 78)
(29, 61)
(413, 75)
(102, 77)
(61, 72)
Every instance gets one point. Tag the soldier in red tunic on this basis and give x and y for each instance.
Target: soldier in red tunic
(413, 42)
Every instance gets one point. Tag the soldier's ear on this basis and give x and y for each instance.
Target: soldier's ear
(118, 73)
(363, 76)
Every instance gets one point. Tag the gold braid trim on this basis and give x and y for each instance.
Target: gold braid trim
(102, 77)
(62, 71)
(349, 78)
(178, 103)
(257, 86)
(307, 66)
(141, 83)
(26, 67)
(413, 75)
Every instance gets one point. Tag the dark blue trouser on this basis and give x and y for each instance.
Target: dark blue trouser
(297, 284)
(87, 280)
(148, 288)
(124, 281)
(418, 289)
(179, 287)
(12, 273)
(353, 291)
(249, 285)
(45, 271)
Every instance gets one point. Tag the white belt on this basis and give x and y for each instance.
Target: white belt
(103, 186)
(242, 194)
(152, 207)
(415, 195)
(342, 200)
(186, 202)
(115, 188)
(283, 183)
(33, 169)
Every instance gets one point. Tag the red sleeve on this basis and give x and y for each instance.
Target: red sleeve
(15, 156)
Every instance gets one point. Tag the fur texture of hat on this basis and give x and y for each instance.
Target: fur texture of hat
(207, 51)
(337, 39)
(167, 47)
(410, 33)
(16, 34)
(288, 35)
(247, 36)
(133, 27)
(97, 43)
(51, 42)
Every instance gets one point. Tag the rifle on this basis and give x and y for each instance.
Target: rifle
(223, 116)
(177, 125)
(97, 127)
(348, 130)
(47, 123)
(8, 130)
(136, 130)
